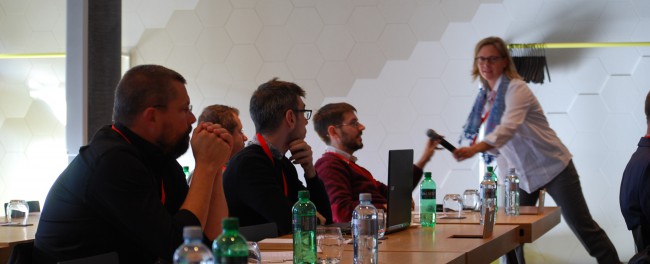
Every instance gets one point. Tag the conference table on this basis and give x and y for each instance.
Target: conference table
(531, 225)
(437, 245)
(12, 235)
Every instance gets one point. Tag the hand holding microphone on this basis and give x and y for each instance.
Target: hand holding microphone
(434, 136)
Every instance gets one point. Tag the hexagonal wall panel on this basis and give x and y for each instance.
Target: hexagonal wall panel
(459, 40)
(40, 17)
(397, 11)
(184, 27)
(459, 10)
(15, 100)
(214, 80)
(588, 76)
(304, 61)
(335, 42)
(243, 26)
(270, 70)
(334, 12)
(155, 13)
(132, 29)
(366, 24)
(587, 113)
(622, 125)
(619, 92)
(367, 96)
(243, 62)
(556, 96)
(15, 135)
(44, 41)
(396, 114)
(274, 12)
(429, 96)
(397, 41)
(15, 32)
(428, 59)
(155, 46)
(274, 43)
(428, 22)
(213, 13)
(335, 78)
(561, 124)
(183, 59)
(366, 60)
(457, 80)
(214, 44)
(487, 23)
(456, 112)
(397, 79)
(640, 76)
(304, 25)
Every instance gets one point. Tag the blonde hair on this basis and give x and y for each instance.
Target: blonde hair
(498, 43)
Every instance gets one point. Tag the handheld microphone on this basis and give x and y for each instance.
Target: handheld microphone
(433, 135)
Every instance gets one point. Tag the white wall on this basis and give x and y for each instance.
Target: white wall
(403, 63)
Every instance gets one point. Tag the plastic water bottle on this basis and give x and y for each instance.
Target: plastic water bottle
(428, 201)
(495, 179)
(364, 231)
(186, 170)
(230, 247)
(488, 195)
(192, 251)
(512, 193)
(304, 230)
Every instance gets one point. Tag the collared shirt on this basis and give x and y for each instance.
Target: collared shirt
(525, 140)
(341, 152)
(275, 152)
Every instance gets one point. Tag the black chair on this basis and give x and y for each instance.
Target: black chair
(259, 232)
(21, 253)
(108, 258)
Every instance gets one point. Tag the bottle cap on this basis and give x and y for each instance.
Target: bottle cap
(427, 174)
(192, 232)
(365, 197)
(303, 194)
(230, 223)
(490, 168)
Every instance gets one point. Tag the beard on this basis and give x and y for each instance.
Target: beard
(351, 142)
(180, 146)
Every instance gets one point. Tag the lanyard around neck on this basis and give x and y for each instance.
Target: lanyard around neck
(162, 184)
(267, 150)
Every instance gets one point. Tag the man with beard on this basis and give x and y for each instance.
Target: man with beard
(125, 192)
(338, 126)
(261, 184)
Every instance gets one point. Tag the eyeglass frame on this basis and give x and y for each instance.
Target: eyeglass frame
(306, 112)
(355, 124)
(488, 60)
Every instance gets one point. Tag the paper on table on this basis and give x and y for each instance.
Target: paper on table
(277, 240)
(277, 256)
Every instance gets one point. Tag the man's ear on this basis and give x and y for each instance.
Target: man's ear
(332, 132)
(290, 118)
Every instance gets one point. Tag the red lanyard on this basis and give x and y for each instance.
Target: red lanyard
(357, 168)
(267, 150)
(162, 184)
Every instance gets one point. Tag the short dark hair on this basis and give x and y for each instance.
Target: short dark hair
(220, 114)
(330, 114)
(270, 101)
(141, 87)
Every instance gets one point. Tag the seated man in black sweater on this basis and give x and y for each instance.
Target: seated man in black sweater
(125, 192)
(261, 184)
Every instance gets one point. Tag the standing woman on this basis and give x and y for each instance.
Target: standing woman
(518, 135)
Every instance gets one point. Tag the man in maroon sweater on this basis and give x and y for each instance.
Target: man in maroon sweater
(338, 126)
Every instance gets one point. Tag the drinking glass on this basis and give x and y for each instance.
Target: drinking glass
(254, 255)
(452, 205)
(330, 243)
(17, 211)
(471, 200)
(381, 223)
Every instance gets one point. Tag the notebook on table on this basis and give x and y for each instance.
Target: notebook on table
(400, 186)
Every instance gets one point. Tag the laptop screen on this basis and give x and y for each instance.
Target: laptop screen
(400, 188)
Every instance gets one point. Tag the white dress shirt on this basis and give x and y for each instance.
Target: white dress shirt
(525, 141)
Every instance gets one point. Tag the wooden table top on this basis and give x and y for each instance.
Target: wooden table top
(419, 240)
(531, 226)
(11, 235)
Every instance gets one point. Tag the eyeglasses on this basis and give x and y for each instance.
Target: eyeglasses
(354, 124)
(490, 60)
(305, 112)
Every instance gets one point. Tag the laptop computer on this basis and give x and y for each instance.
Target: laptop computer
(400, 186)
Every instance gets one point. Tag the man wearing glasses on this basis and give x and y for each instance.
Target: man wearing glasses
(261, 184)
(338, 126)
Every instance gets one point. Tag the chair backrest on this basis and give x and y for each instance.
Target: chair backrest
(259, 232)
(21, 253)
(108, 258)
